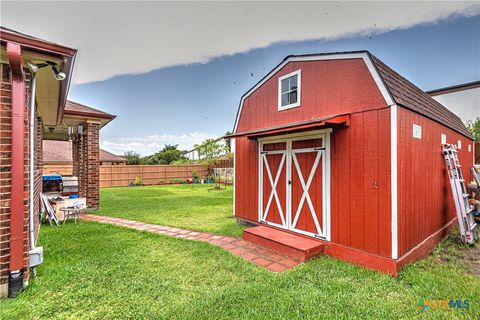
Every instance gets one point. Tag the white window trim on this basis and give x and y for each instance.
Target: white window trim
(299, 90)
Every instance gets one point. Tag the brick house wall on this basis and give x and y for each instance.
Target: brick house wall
(38, 173)
(93, 163)
(5, 174)
(86, 162)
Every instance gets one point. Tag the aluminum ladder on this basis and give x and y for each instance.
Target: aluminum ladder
(464, 211)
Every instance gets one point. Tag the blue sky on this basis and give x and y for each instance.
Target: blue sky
(174, 71)
(185, 103)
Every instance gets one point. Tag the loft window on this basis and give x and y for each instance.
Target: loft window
(289, 90)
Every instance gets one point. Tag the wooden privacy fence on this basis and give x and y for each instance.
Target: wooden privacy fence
(62, 169)
(122, 175)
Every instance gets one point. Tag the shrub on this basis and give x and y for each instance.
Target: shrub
(138, 181)
(195, 177)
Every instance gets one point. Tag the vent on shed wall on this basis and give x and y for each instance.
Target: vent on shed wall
(417, 131)
(443, 138)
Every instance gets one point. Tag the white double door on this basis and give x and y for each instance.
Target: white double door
(294, 183)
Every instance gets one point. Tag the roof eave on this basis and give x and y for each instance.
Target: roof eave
(90, 115)
(65, 87)
(38, 45)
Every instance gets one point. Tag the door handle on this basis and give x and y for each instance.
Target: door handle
(289, 182)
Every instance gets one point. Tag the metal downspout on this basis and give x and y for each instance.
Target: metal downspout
(16, 268)
(35, 255)
(32, 160)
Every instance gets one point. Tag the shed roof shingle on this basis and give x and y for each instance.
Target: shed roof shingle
(407, 95)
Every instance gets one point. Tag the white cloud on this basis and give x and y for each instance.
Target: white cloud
(153, 143)
(134, 37)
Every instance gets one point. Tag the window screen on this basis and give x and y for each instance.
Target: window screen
(289, 92)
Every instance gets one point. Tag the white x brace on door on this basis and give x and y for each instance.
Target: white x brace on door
(273, 184)
(294, 183)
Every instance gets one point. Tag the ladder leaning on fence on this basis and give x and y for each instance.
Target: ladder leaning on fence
(466, 221)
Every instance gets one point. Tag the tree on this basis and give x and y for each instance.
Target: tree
(228, 143)
(474, 128)
(167, 155)
(210, 148)
(132, 157)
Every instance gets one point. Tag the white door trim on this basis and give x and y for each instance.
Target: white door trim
(289, 160)
(306, 188)
(273, 184)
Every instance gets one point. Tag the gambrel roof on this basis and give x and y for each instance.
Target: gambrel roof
(395, 89)
(409, 96)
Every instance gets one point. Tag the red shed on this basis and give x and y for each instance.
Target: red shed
(341, 148)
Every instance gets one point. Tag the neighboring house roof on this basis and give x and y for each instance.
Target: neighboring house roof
(75, 108)
(407, 95)
(455, 88)
(400, 91)
(108, 156)
(61, 151)
(57, 151)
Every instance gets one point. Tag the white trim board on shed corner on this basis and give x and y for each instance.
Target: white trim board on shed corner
(339, 56)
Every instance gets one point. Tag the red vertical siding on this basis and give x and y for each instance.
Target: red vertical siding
(360, 180)
(328, 88)
(360, 153)
(246, 179)
(425, 202)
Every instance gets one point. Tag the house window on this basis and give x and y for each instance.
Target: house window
(289, 90)
(459, 144)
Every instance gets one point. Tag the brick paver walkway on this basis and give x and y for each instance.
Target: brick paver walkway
(260, 256)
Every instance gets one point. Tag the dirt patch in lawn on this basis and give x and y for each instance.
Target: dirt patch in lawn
(453, 250)
(472, 259)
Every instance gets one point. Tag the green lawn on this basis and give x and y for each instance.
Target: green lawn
(184, 206)
(98, 271)
(95, 271)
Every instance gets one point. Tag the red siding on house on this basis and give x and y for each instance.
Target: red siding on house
(327, 88)
(425, 202)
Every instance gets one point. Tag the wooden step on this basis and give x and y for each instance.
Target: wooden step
(295, 246)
